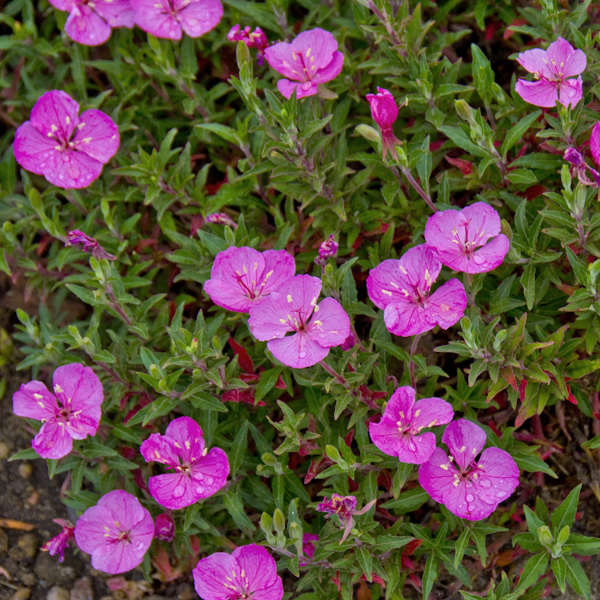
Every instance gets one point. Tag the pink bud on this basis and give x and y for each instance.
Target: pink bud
(383, 108)
(164, 528)
(58, 543)
(327, 249)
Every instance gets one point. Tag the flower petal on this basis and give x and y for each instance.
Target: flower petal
(330, 324)
(497, 476)
(465, 441)
(489, 256)
(155, 17)
(209, 473)
(34, 151)
(331, 70)
(407, 318)
(118, 13)
(446, 306)
(566, 61)
(430, 412)
(52, 440)
(211, 575)
(89, 529)
(33, 400)
(158, 448)
(595, 143)
(172, 490)
(200, 16)
(297, 350)
(188, 434)
(73, 170)
(55, 112)
(127, 509)
(387, 283)
(535, 61)
(571, 92)
(539, 93)
(97, 135)
(87, 27)
(437, 475)
(281, 266)
(260, 570)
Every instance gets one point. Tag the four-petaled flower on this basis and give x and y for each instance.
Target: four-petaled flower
(241, 277)
(90, 23)
(460, 238)
(67, 149)
(117, 531)
(345, 508)
(198, 472)
(316, 327)
(384, 111)
(398, 433)
(558, 69)
(310, 59)
(72, 413)
(170, 18)
(470, 490)
(249, 573)
(402, 288)
(57, 545)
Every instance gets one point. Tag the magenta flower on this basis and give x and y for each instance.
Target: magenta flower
(67, 149)
(198, 472)
(71, 413)
(470, 490)
(91, 23)
(249, 572)
(308, 547)
(220, 219)
(310, 59)
(253, 39)
(116, 532)
(316, 327)
(171, 18)
(460, 238)
(88, 244)
(595, 143)
(345, 508)
(241, 277)
(327, 250)
(164, 527)
(398, 433)
(402, 289)
(58, 544)
(558, 70)
(384, 112)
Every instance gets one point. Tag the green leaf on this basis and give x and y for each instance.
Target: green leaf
(565, 513)
(577, 578)
(559, 568)
(516, 132)
(25, 454)
(266, 383)
(534, 568)
(582, 544)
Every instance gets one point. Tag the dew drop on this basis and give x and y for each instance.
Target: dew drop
(178, 491)
(302, 354)
(139, 544)
(470, 498)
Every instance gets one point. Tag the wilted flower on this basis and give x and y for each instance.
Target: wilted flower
(57, 545)
(308, 547)
(580, 166)
(470, 490)
(198, 472)
(88, 244)
(398, 433)
(316, 327)
(310, 59)
(402, 288)
(249, 572)
(220, 219)
(384, 112)
(345, 508)
(558, 69)
(71, 413)
(460, 238)
(90, 23)
(170, 18)
(67, 149)
(164, 527)
(241, 277)
(117, 531)
(253, 39)
(327, 250)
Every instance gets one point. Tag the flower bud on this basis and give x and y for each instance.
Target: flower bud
(327, 249)
(573, 156)
(164, 527)
(383, 108)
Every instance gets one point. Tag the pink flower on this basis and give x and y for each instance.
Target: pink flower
(164, 527)
(90, 23)
(249, 572)
(241, 277)
(255, 39)
(595, 143)
(558, 70)
(58, 543)
(170, 18)
(384, 112)
(310, 59)
(116, 532)
(71, 413)
(402, 288)
(460, 238)
(198, 472)
(327, 250)
(345, 508)
(220, 219)
(316, 327)
(67, 149)
(398, 433)
(308, 547)
(470, 490)
(88, 244)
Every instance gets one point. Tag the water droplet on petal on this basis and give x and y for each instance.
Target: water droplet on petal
(485, 483)
(470, 498)
(178, 491)
(139, 544)
(302, 354)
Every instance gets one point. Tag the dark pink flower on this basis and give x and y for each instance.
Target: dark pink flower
(384, 112)
(253, 39)
(58, 543)
(248, 573)
(398, 433)
(293, 309)
(345, 508)
(67, 149)
(220, 219)
(558, 72)
(595, 143)
(308, 547)
(462, 238)
(402, 288)
(198, 472)
(310, 59)
(88, 244)
(470, 490)
(241, 277)
(72, 413)
(327, 250)
(117, 532)
(171, 18)
(164, 527)
(90, 23)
